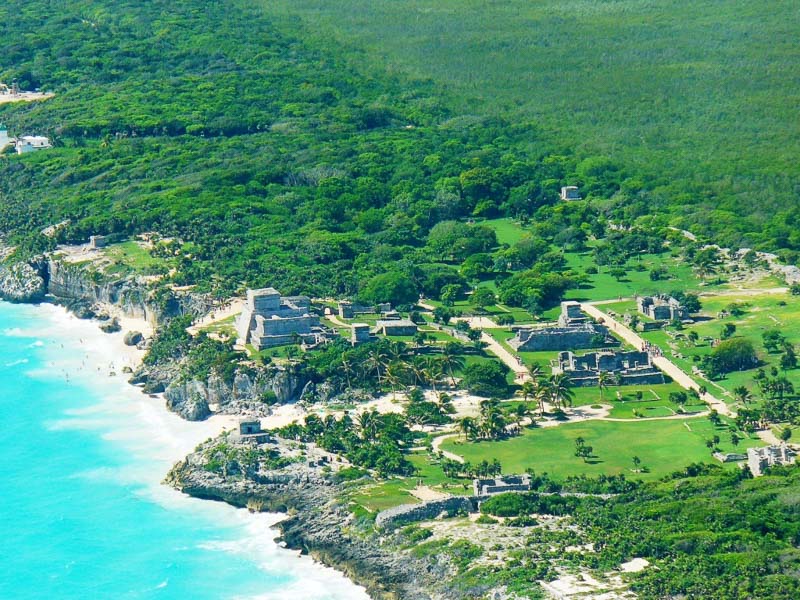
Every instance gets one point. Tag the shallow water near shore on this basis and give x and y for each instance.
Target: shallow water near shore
(82, 511)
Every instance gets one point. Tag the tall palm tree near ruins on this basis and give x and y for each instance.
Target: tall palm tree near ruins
(452, 362)
(542, 395)
(527, 390)
(604, 379)
(376, 363)
(368, 424)
(561, 393)
(433, 370)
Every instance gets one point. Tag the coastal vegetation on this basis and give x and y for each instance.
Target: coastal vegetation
(336, 151)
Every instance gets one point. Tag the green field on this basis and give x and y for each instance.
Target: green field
(663, 446)
(130, 257)
(761, 313)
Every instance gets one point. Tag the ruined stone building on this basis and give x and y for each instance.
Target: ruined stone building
(629, 368)
(269, 319)
(759, 459)
(395, 327)
(501, 485)
(574, 330)
(662, 308)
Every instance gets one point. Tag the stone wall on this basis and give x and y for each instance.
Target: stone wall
(411, 513)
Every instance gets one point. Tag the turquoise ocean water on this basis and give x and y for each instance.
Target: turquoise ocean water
(82, 511)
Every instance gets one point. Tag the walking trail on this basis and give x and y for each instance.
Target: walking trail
(662, 362)
(231, 309)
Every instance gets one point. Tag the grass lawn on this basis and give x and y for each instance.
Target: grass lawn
(225, 326)
(132, 256)
(386, 494)
(761, 313)
(591, 395)
(663, 447)
(508, 230)
(603, 286)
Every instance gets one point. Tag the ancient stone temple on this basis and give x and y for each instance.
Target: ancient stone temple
(662, 308)
(574, 330)
(759, 459)
(628, 368)
(269, 319)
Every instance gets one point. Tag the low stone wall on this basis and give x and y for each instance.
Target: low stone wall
(411, 513)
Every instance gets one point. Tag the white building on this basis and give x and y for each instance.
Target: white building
(31, 143)
(570, 192)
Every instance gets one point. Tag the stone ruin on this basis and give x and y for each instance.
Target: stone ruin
(574, 330)
(269, 319)
(250, 433)
(629, 368)
(759, 459)
(501, 485)
(662, 308)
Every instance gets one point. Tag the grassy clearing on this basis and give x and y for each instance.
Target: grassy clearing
(663, 447)
(133, 257)
(761, 313)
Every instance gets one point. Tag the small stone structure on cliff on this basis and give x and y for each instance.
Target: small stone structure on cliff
(573, 330)
(629, 368)
(250, 433)
(269, 319)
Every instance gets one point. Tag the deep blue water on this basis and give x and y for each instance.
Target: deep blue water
(82, 512)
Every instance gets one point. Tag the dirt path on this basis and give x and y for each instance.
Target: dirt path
(334, 319)
(522, 374)
(231, 309)
(662, 362)
(769, 437)
(436, 445)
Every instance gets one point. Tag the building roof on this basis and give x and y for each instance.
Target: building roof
(395, 323)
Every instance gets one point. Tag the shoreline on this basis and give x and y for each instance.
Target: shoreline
(161, 438)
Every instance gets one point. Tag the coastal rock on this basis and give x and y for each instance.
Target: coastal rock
(188, 400)
(132, 295)
(133, 338)
(322, 527)
(20, 282)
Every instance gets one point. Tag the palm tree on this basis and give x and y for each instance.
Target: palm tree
(542, 396)
(488, 405)
(604, 379)
(561, 390)
(494, 423)
(742, 394)
(347, 369)
(376, 362)
(452, 362)
(433, 370)
(417, 367)
(368, 422)
(468, 427)
(522, 411)
(526, 390)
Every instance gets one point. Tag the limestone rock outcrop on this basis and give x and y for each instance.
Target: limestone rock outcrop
(20, 282)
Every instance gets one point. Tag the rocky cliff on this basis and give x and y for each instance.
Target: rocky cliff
(248, 394)
(21, 282)
(322, 527)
